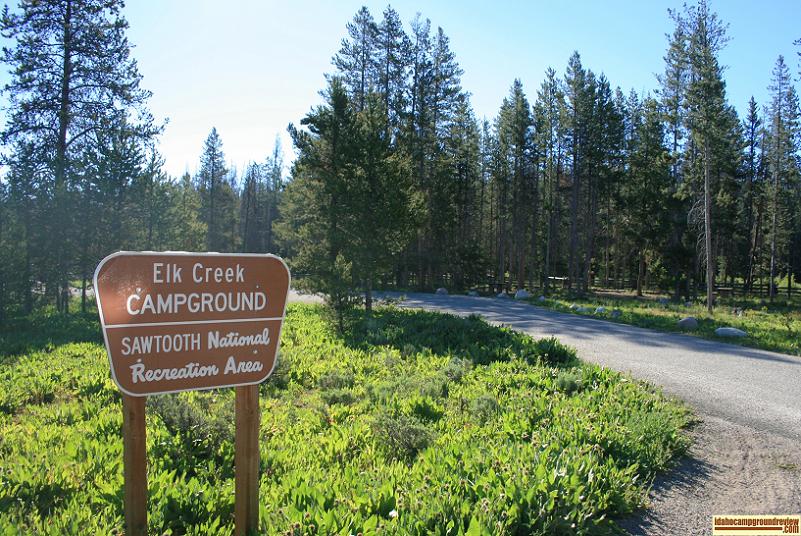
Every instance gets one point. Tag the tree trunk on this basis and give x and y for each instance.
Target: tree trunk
(710, 257)
(368, 295)
(774, 226)
(640, 273)
(60, 190)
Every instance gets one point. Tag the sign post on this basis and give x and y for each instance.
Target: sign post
(134, 455)
(188, 321)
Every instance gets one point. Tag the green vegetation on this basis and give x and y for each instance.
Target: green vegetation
(410, 423)
(774, 326)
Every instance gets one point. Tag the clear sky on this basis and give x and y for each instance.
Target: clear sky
(250, 67)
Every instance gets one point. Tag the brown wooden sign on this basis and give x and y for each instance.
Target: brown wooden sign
(186, 321)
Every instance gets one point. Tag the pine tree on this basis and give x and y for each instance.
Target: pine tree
(392, 65)
(648, 189)
(313, 227)
(219, 198)
(549, 135)
(578, 98)
(356, 60)
(751, 214)
(72, 79)
(251, 208)
(188, 231)
(782, 162)
(515, 173)
(706, 99)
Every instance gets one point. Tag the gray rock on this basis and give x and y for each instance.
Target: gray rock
(583, 309)
(600, 310)
(522, 294)
(441, 291)
(502, 295)
(541, 298)
(688, 304)
(573, 307)
(472, 293)
(663, 301)
(730, 332)
(617, 313)
(688, 322)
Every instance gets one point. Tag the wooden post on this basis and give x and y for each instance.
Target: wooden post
(134, 465)
(246, 460)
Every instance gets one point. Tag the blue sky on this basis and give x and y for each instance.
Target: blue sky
(251, 67)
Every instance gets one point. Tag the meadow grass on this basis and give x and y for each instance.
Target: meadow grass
(410, 423)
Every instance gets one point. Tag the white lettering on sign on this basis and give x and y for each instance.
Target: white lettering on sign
(172, 274)
(141, 374)
(195, 302)
(160, 343)
(232, 367)
(201, 274)
(235, 339)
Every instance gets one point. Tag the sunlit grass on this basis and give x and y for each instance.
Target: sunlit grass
(769, 326)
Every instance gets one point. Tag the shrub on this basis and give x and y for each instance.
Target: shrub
(345, 397)
(401, 436)
(484, 407)
(553, 353)
(336, 379)
(456, 369)
(201, 426)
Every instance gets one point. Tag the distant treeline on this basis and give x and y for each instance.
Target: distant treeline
(586, 183)
(396, 182)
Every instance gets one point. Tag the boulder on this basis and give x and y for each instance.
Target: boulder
(441, 291)
(730, 332)
(663, 301)
(582, 309)
(688, 322)
(541, 298)
(600, 310)
(617, 313)
(522, 294)
(573, 307)
(473, 293)
(688, 304)
(502, 295)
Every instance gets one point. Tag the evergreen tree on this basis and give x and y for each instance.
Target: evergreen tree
(578, 89)
(648, 189)
(392, 65)
(706, 100)
(219, 198)
(313, 227)
(549, 136)
(356, 60)
(516, 176)
(782, 161)
(188, 231)
(72, 79)
(752, 196)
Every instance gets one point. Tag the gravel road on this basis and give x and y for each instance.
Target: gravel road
(746, 456)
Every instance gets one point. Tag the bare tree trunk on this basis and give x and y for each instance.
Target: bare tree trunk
(572, 255)
(710, 256)
(368, 295)
(774, 226)
(60, 192)
(640, 273)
